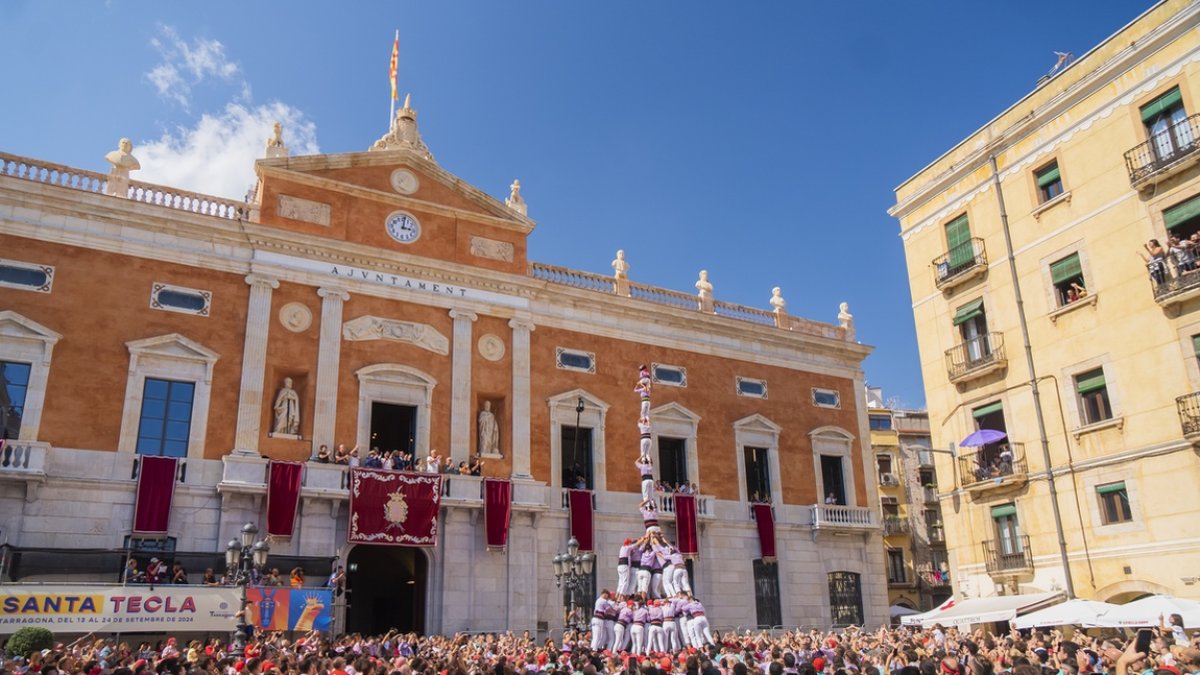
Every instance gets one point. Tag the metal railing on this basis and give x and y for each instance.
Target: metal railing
(1007, 556)
(1188, 406)
(959, 260)
(899, 578)
(1164, 149)
(895, 525)
(937, 534)
(932, 579)
(929, 494)
(1174, 283)
(992, 464)
(975, 354)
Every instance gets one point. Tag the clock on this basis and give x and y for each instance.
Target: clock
(402, 227)
(404, 181)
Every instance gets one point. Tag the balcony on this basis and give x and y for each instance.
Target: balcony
(1166, 153)
(960, 264)
(937, 534)
(930, 494)
(976, 357)
(888, 479)
(1176, 288)
(894, 525)
(1001, 465)
(1189, 415)
(834, 517)
(1008, 559)
(935, 579)
(900, 579)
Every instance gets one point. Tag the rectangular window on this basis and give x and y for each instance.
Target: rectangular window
(766, 594)
(1008, 530)
(971, 321)
(14, 383)
(1049, 181)
(826, 398)
(1067, 276)
(166, 420)
(676, 376)
(1114, 503)
(758, 474)
(958, 245)
(752, 388)
(884, 463)
(897, 574)
(672, 461)
(880, 422)
(845, 599)
(1092, 391)
(1183, 220)
(571, 359)
(1167, 124)
(576, 450)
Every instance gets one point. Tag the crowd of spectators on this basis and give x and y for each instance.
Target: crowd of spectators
(887, 651)
(398, 460)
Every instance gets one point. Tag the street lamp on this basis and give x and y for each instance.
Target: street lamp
(574, 569)
(578, 415)
(242, 559)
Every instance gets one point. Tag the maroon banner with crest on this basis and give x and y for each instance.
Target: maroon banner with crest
(685, 526)
(581, 518)
(393, 508)
(764, 517)
(155, 490)
(497, 512)
(283, 496)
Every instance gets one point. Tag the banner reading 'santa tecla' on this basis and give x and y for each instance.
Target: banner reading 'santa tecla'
(118, 608)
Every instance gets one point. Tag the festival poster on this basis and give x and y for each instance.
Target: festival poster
(296, 609)
(80, 609)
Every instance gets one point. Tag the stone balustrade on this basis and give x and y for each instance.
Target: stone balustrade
(835, 517)
(59, 175)
(23, 460)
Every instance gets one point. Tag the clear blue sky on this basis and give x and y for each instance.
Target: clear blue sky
(758, 140)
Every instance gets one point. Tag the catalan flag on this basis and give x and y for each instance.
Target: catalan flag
(395, 60)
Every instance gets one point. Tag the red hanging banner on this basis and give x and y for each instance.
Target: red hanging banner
(393, 508)
(155, 490)
(581, 517)
(497, 512)
(764, 517)
(685, 526)
(283, 496)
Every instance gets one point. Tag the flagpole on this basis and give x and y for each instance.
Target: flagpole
(396, 61)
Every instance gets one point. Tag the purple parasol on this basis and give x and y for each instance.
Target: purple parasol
(982, 437)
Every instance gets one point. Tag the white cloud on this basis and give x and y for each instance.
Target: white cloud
(216, 156)
(185, 65)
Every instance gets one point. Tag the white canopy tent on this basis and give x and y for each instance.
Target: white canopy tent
(898, 611)
(983, 610)
(1075, 612)
(1147, 612)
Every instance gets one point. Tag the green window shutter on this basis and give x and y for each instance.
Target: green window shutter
(1196, 345)
(1048, 176)
(1162, 103)
(958, 240)
(1181, 213)
(987, 410)
(1110, 488)
(1004, 510)
(968, 311)
(1090, 381)
(1066, 269)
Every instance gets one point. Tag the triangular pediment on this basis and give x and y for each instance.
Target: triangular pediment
(674, 412)
(757, 422)
(172, 346)
(16, 326)
(571, 399)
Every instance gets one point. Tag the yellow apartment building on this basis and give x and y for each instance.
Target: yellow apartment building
(1051, 306)
(914, 540)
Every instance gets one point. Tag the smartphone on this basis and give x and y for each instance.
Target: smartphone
(1143, 640)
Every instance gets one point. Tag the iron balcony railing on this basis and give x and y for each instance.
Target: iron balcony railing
(1174, 283)
(992, 464)
(975, 354)
(894, 525)
(1007, 555)
(1189, 413)
(930, 494)
(935, 579)
(937, 535)
(959, 260)
(1164, 149)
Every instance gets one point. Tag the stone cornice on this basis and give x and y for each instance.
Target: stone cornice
(296, 168)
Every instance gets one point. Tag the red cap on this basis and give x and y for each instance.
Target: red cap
(818, 663)
(628, 542)
(665, 664)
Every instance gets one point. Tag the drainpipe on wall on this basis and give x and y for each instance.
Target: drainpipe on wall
(1033, 382)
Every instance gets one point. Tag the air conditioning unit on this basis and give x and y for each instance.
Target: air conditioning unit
(888, 480)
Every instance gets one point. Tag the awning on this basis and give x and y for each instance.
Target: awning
(1148, 612)
(984, 610)
(968, 311)
(1077, 612)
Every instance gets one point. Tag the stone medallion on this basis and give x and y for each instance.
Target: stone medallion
(295, 317)
(491, 347)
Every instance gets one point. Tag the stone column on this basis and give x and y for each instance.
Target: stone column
(521, 328)
(329, 357)
(254, 363)
(460, 387)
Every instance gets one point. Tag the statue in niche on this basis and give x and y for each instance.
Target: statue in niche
(489, 431)
(287, 410)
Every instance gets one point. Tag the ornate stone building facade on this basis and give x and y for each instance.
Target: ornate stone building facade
(397, 303)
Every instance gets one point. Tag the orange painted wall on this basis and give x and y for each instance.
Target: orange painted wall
(492, 380)
(99, 302)
(291, 355)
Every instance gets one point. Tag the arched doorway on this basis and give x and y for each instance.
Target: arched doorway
(385, 589)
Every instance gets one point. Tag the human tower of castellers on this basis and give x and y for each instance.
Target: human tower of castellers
(653, 609)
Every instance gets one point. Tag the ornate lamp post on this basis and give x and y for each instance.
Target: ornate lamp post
(574, 569)
(242, 559)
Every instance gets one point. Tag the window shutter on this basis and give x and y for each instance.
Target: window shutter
(1161, 104)
(1110, 488)
(1048, 176)
(1066, 269)
(1004, 510)
(1196, 345)
(1090, 381)
(968, 311)
(986, 410)
(1181, 213)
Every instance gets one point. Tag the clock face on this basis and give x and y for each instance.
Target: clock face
(404, 181)
(403, 227)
